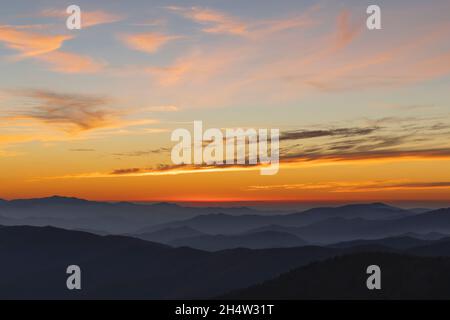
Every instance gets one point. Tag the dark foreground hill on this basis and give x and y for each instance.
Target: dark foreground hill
(344, 277)
(34, 261)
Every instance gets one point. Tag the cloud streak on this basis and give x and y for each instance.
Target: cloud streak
(148, 42)
(361, 186)
(28, 43)
(214, 21)
(71, 112)
(340, 132)
(65, 62)
(46, 48)
(290, 162)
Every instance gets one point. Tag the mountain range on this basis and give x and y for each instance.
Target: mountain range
(166, 251)
(34, 262)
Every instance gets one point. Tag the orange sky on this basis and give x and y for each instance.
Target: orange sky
(363, 115)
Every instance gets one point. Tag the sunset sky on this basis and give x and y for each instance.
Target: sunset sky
(363, 115)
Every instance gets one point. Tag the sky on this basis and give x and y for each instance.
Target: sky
(363, 114)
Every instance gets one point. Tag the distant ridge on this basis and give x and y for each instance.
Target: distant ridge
(60, 200)
(255, 240)
(112, 217)
(402, 242)
(169, 234)
(221, 223)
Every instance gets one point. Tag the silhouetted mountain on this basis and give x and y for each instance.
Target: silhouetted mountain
(339, 229)
(393, 242)
(169, 234)
(257, 240)
(217, 223)
(34, 260)
(372, 211)
(335, 230)
(426, 236)
(53, 200)
(122, 217)
(435, 248)
(7, 221)
(226, 224)
(420, 210)
(402, 277)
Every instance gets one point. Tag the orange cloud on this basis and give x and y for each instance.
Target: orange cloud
(360, 186)
(216, 21)
(148, 42)
(346, 32)
(66, 62)
(242, 68)
(45, 48)
(292, 163)
(168, 108)
(30, 44)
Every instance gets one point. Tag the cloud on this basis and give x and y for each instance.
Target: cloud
(127, 171)
(166, 169)
(295, 161)
(376, 155)
(168, 108)
(239, 69)
(65, 62)
(141, 153)
(46, 48)
(342, 132)
(43, 115)
(29, 43)
(360, 186)
(71, 112)
(346, 32)
(218, 22)
(285, 163)
(148, 42)
(88, 18)
(82, 150)
(214, 21)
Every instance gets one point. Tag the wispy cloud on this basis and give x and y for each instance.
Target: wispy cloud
(65, 62)
(359, 186)
(82, 150)
(213, 21)
(44, 115)
(140, 153)
(148, 42)
(29, 43)
(46, 48)
(73, 112)
(166, 108)
(298, 161)
(339, 132)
